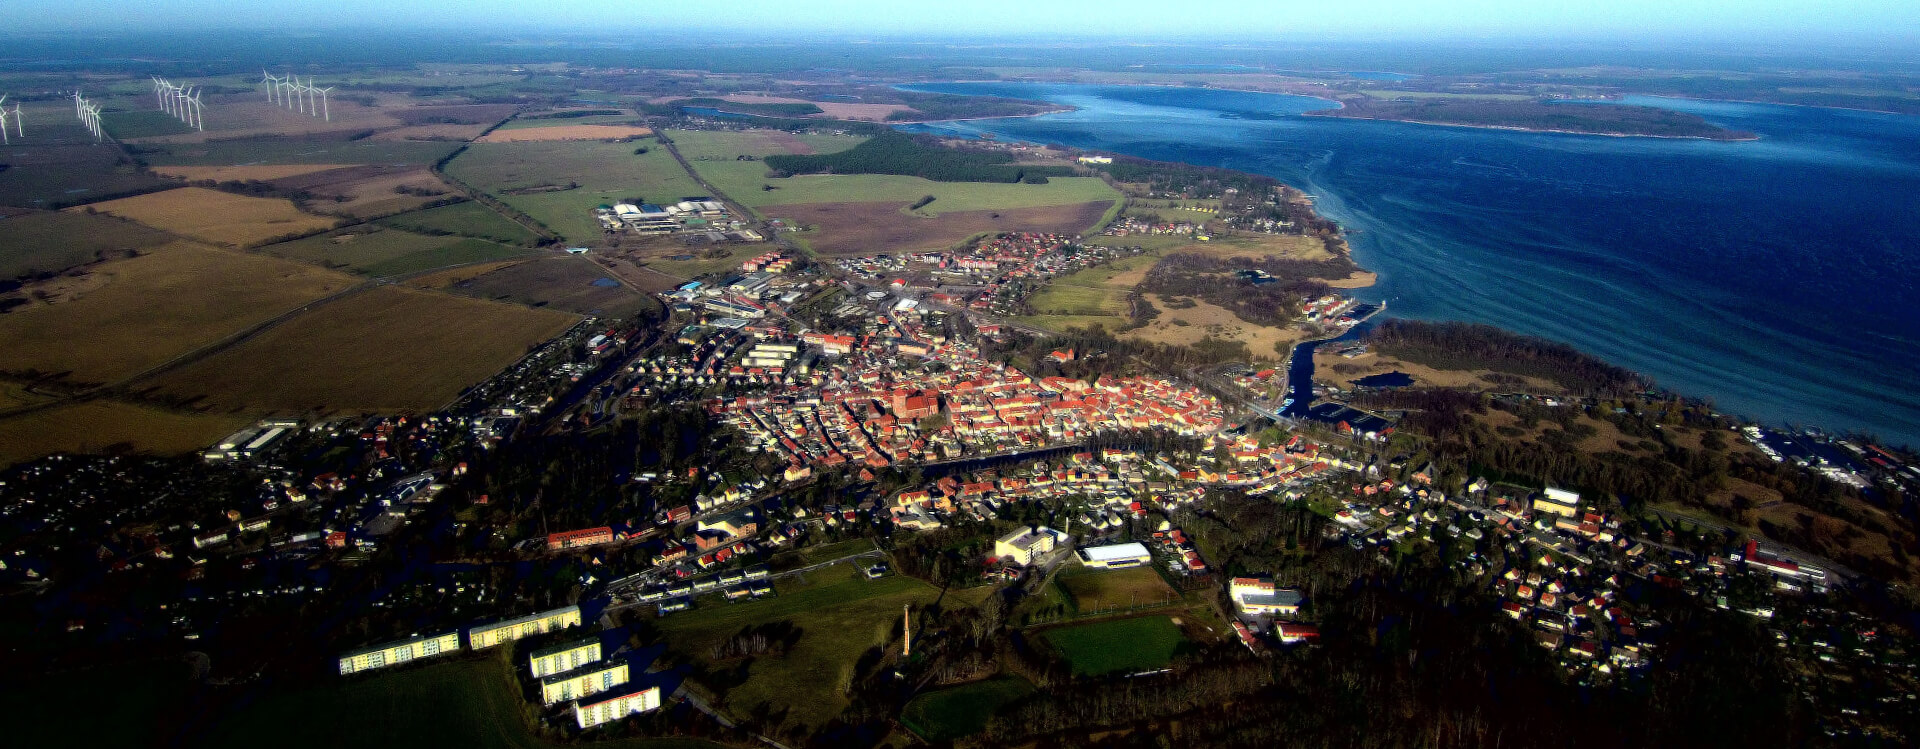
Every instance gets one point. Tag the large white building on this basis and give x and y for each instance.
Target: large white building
(489, 635)
(1558, 501)
(381, 656)
(611, 706)
(1253, 595)
(1023, 545)
(566, 656)
(1115, 556)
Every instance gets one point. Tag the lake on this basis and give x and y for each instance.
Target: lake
(1776, 277)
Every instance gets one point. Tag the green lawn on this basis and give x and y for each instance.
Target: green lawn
(471, 704)
(53, 242)
(1100, 290)
(467, 219)
(602, 173)
(1094, 590)
(954, 712)
(282, 150)
(1139, 644)
(841, 615)
(358, 248)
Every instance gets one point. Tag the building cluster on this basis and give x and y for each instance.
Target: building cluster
(990, 275)
(1263, 606)
(696, 217)
(1129, 226)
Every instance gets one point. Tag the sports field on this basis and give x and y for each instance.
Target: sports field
(386, 349)
(1138, 644)
(953, 712)
(1096, 590)
(51, 242)
(840, 615)
(128, 315)
(109, 426)
(466, 219)
(559, 183)
(473, 704)
(215, 216)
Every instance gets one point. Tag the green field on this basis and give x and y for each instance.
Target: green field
(712, 154)
(53, 242)
(384, 250)
(841, 615)
(524, 123)
(603, 172)
(1139, 644)
(951, 713)
(142, 123)
(1100, 290)
(282, 150)
(467, 219)
(698, 265)
(460, 252)
(1094, 590)
(470, 704)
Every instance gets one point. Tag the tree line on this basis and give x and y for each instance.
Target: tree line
(1457, 345)
(915, 156)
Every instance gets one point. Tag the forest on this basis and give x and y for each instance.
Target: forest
(931, 106)
(915, 156)
(1455, 345)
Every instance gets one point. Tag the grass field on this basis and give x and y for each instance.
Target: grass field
(702, 145)
(388, 349)
(1138, 644)
(1100, 290)
(565, 131)
(466, 219)
(459, 252)
(564, 282)
(142, 123)
(280, 150)
(1094, 590)
(604, 173)
(53, 242)
(471, 704)
(369, 191)
(524, 123)
(1184, 327)
(841, 616)
(260, 172)
(948, 714)
(108, 426)
(357, 248)
(58, 163)
(697, 265)
(127, 315)
(215, 216)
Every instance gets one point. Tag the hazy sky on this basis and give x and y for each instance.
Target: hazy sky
(1893, 20)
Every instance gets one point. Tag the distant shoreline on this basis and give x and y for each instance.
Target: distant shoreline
(1326, 113)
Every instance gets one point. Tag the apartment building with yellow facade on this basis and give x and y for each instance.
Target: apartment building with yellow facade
(393, 653)
(580, 682)
(608, 707)
(565, 656)
(488, 635)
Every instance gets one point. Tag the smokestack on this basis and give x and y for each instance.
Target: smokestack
(906, 616)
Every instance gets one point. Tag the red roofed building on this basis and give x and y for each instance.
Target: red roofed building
(579, 538)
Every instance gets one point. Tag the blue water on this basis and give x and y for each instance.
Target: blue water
(1776, 277)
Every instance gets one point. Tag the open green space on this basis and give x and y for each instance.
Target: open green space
(359, 248)
(746, 186)
(471, 704)
(467, 219)
(283, 150)
(460, 252)
(1096, 590)
(954, 712)
(52, 242)
(728, 144)
(698, 263)
(840, 614)
(558, 183)
(524, 123)
(142, 123)
(1099, 290)
(563, 282)
(1139, 644)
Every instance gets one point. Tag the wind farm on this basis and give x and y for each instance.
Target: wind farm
(181, 102)
(89, 114)
(304, 98)
(12, 117)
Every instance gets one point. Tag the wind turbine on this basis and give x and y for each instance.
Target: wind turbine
(199, 119)
(273, 84)
(325, 112)
(18, 128)
(3, 120)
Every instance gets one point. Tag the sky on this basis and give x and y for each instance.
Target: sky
(1787, 20)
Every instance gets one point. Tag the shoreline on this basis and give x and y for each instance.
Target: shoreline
(1326, 113)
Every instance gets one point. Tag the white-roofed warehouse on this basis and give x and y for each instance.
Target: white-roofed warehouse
(1115, 556)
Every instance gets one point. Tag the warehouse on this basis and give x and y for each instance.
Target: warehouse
(1115, 556)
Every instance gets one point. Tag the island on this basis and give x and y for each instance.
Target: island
(1589, 117)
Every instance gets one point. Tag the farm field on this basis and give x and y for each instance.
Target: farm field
(47, 242)
(705, 145)
(563, 131)
(369, 191)
(953, 712)
(260, 172)
(379, 251)
(467, 219)
(862, 228)
(108, 426)
(1137, 644)
(1100, 290)
(1095, 590)
(274, 150)
(570, 283)
(13, 394)
(215, 216)
(388, 349)
(461, 703)
(57, 164)
(696, 263)
(949, 197)
(127, 315)
(840, 615)
(538, 179)
(546, 119)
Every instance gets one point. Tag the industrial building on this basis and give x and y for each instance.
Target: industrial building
(489, 635)
(1115, 556)
(381, 656)
(592, 678)
(566, 656)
